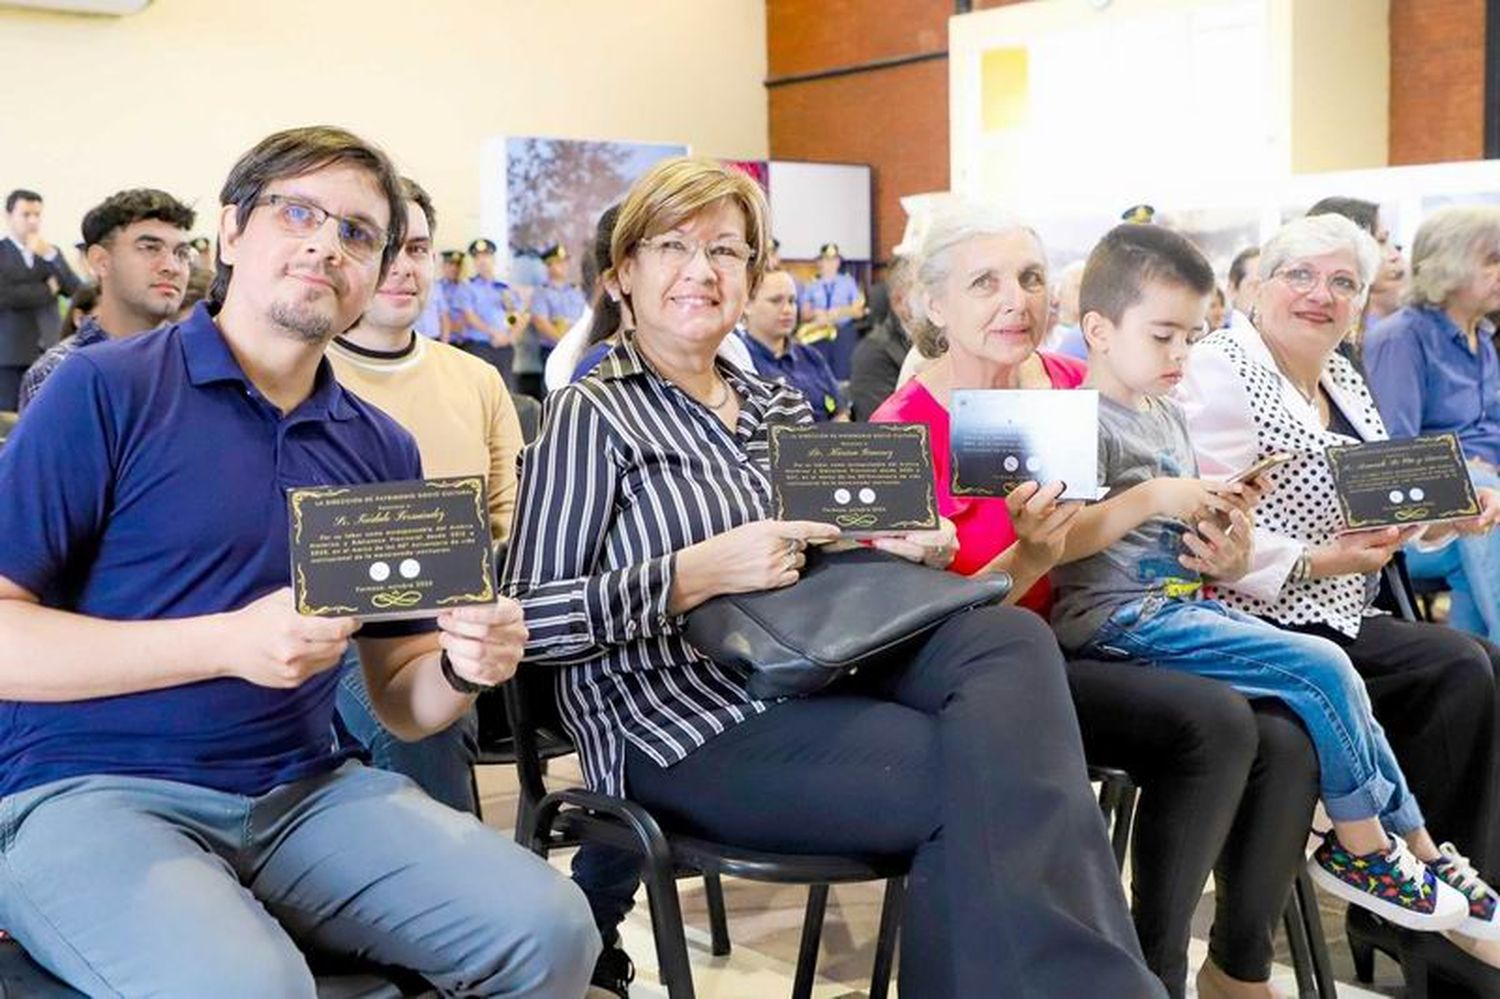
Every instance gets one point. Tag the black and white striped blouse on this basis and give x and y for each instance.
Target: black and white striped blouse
(628, 470)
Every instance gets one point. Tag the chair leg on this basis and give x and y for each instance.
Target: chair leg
(885, 940)
(1296, 938)
(666, 926)
(1124, 820)
(718, 919)
(474, 790)
(812, 935)
(1312, 921)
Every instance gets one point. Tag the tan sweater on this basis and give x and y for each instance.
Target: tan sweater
(454, 404)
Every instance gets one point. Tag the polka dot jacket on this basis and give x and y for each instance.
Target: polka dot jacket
(1241, 408)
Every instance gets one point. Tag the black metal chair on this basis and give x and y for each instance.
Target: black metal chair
(548, 821)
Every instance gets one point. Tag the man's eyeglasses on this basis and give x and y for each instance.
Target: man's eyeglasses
(728, 256)
(362, 240)
(1303, 280)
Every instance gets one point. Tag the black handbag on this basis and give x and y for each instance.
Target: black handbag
(851, 608)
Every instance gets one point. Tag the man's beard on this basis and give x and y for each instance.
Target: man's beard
(303, 323)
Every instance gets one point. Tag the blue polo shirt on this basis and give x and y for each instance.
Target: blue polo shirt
(149, 482)
(803, 369)
(1426, 380)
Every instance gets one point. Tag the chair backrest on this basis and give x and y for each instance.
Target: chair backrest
(529, 412)
(1396, 593)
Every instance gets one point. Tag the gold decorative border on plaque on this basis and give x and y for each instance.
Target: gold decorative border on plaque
(299, 495)
(476, 486)
(1470, 508)
(853, 520)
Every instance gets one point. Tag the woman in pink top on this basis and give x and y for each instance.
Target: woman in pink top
(1221, 782)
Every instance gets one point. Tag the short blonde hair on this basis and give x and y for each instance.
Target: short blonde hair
(951, 226)
(679, 189)
(1442, 256)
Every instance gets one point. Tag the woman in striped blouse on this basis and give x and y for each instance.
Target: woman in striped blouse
(648, 493)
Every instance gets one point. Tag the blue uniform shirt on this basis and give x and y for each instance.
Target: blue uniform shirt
(562, 304)
(803, 369)
(1426, 380)
(149, 482)
(492, 301)
(821, 294)
(430, 322)
(457, 299)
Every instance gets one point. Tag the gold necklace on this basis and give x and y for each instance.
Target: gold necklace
(723, 400)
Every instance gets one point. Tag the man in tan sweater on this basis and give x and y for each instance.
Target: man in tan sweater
(458, 409)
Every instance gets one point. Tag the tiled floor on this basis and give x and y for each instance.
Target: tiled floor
(765, 921)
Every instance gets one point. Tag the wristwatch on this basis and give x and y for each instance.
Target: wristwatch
(457, 682)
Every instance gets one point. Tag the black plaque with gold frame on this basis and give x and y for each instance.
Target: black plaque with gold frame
(1419, 480)
(392, 550)
(867, 478)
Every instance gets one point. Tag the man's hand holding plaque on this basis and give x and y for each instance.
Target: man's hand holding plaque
(393, 550)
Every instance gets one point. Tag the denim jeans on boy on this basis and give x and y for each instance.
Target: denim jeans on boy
(1471, 568)
(1311, 675)
(441, 764)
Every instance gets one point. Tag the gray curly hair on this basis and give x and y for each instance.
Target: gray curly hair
(1442, 256)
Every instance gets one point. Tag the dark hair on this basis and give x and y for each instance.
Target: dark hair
(124, 208)
(413, 191)
(20, 194)
(607, 314)
(1133, 255)
(297, 152)
(84, 299)
(1240, 266)
(1357, 210)
(197, 289)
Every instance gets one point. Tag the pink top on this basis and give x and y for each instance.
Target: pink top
(983, 523)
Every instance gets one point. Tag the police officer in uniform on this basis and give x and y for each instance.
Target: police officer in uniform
(830, 305)
(555, 306)
(499, 310)
(456, 302)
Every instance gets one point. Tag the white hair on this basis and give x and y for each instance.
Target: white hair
(949, 227)
(1442, 257)
(1313, 236)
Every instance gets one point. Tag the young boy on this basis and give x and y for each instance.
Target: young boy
(1134, 565)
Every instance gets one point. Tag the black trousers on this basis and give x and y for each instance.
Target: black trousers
(970, 756)
(1223, 782)
(1434, 691)
(10, 386)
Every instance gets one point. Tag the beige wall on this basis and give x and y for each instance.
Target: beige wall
(169, 97)
(1340, 86)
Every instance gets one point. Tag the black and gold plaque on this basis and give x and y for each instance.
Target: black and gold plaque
(1394, 483)
(867, 478)
(397, 549)
(1001, 438)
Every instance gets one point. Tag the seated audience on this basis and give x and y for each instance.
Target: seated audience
(1134, 566)
(770, 321)
(1244, 282)
(1281, 387)
(1387, 288)
(138, 247)
(877, 359)
(177, 819)
(81, 308)
(457, 408)
(1067, 335)
(1188, 742)
(959, 755)
(1433, 369)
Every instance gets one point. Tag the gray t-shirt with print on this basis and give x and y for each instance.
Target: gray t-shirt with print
(1134, 446)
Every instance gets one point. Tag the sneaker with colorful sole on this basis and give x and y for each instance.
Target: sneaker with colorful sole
(1394, 885)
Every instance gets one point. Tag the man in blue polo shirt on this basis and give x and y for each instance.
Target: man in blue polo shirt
(177, 821)
(770, 320)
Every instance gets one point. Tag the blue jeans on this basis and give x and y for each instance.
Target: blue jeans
(1471, 568)
(441, 764)
(135, 886)
(1360, 778)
